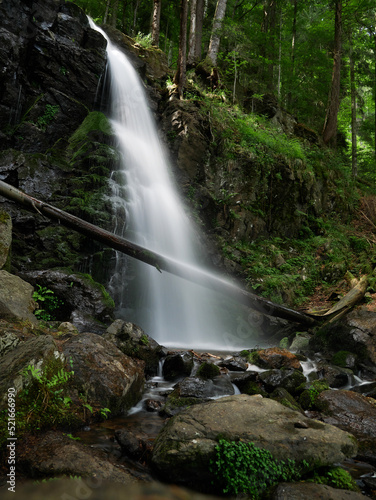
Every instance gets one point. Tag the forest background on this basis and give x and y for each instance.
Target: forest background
(315, 59)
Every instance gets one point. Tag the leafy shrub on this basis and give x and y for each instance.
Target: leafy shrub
(244, 468)
(48, 303)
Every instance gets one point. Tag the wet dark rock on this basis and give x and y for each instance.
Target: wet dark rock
(196, 387)
(131, 446)
(235, 363)
(86, 302)
(153, 405)
(355, 333)
(289, 379)
(353, 413)
(177, 365)
(105, 375)
(134, 342)
(335, 376)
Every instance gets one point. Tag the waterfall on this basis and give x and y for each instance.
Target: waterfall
(173, 311)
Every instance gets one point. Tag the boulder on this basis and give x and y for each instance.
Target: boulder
(355, 333)
(289, 379)
(312, 491)
(16, 298)
(104, 374)
(196, 387)
(86, 302)
(355, 413)
(275, 357)
(98, 489)
(134, 342)
(177, 365)
(185, 446)
(54, 454)
(5, 239)
(36, 351)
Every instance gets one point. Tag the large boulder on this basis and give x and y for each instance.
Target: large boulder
(16, 298)
(353, 413)
(98, 489)
(312, 491)
(54, 454)
(103, 374)
(184, 448)
(134, 342)
(36, 352)
(85, 302)
(5, 239)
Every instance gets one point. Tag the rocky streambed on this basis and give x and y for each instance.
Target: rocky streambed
(170, 409)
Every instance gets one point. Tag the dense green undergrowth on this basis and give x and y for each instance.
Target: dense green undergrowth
(329, 241)
(243, 468)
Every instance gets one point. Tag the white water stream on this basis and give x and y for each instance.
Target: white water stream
(173, 311)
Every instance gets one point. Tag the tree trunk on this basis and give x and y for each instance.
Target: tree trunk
(161, 263)
(215, 38)
(191, 59)
(354, 153)
(135, 17)
(180, 74)
(156, 22)
(105, 17)
(330, 127)
(199, 27)
(114, 13)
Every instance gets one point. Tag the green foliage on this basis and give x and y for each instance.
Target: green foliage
(144, 340)
(245, 468)
(48, 303)
(48, 116)
(44, 401)
(143, 40)
(335, 477)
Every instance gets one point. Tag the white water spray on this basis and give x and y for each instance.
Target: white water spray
(173, 311)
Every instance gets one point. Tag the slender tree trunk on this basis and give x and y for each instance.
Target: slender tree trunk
(200, 6)
(215, 38)
(330, 126)
(279, 57)
(191, 59)
(374, 56)
(156, 22)
(135, 17)
(114, 13)
(354, 152)
(105, 17)
(180, 74)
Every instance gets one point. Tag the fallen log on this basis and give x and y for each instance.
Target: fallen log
(160, 262)
(353, 297)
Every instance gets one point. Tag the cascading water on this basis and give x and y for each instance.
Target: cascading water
(173, 311)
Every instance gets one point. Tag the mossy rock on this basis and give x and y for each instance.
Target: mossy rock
(208, 370)
(308, 397)
(251, 388)
(344, 359)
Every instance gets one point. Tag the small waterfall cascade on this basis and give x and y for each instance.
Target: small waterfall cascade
(149, 213)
